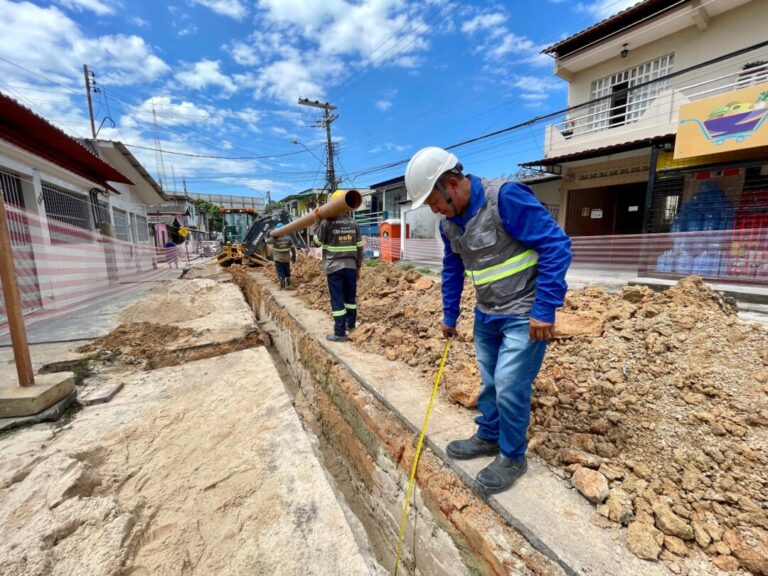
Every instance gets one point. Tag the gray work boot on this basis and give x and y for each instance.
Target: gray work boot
(471, 448)
(500, 474)
(336, 338)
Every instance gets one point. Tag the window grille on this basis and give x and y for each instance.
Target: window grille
(17, 223)
(120, 219)
(142, 235)
(134, 235)
(69, 208)
(628, 107)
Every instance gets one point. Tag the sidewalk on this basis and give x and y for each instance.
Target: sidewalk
(83, 321)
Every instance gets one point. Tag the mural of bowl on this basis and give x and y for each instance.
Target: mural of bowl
(743, 122)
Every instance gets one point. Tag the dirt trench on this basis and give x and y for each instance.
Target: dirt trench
(369, 447)
(652, 405)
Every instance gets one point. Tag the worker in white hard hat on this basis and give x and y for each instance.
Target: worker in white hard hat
(515, 254)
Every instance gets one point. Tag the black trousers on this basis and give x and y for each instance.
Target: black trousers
(343, 288)
(283, 269)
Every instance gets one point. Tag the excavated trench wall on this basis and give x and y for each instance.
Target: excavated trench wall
(450, 530)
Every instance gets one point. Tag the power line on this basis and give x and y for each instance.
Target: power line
(212, 156)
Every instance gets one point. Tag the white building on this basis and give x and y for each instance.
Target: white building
(618, 147)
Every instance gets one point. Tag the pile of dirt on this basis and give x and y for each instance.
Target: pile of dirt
(655, 405)
(138, 342)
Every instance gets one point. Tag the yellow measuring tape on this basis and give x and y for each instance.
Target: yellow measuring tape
(419, 445)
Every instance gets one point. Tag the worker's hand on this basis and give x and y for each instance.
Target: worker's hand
(541, 330)
(293, 259)
(448, 331)
(357, 274)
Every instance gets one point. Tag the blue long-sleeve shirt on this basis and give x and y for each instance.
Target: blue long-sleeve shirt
(526, 220)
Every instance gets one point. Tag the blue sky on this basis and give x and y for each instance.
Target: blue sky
(222, 78)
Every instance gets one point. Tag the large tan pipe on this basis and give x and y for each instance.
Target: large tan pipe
(350, 201)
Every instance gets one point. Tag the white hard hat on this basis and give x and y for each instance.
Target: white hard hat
(423, 171)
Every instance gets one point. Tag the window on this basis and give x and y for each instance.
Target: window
(133, 227)
(69, 208)
(626, 105)
(141, 229)
(10, 184)
(120, 219)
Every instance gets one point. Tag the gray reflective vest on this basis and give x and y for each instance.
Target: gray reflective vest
(502, 269)
(341, 242)
(282, 247)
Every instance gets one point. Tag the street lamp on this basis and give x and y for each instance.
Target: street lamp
(295, 141)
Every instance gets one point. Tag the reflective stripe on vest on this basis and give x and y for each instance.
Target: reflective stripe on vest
(339, 248)
(282, 249)
(505, 269)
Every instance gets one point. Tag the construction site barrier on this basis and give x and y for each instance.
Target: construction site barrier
(737, 256)
(61, 267)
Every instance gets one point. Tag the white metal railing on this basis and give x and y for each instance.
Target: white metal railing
(601, 116)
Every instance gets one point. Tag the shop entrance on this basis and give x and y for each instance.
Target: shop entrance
(607, 210)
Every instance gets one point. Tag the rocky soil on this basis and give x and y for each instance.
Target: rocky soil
(653, 405)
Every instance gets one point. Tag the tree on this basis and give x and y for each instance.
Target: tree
(215, 220)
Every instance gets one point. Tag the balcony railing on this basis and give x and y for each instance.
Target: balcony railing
(646, 111)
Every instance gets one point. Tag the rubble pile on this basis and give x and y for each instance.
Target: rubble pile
(654, 405)
(137, 342)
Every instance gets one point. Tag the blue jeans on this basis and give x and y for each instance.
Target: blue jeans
(342, 285)
(509, 363)
(283, 269)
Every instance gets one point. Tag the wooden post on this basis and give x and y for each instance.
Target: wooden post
(13, 303)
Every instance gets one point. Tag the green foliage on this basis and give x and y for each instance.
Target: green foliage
(372, 262)
(215, 219)
(407, 266)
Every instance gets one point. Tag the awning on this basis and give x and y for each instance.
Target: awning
(552, 165)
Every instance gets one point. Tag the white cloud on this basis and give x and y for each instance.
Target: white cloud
(512, 44)
(204, 74)
(244, 54)
(139, 22)
(386, 101)
(191, 29)
(172, 112)
(494, 41)
(389, 147)
(232, 8)
(483, 22)
(51, 42)
(536, 89)
(313, 45)
(97, 6)
(605, 8)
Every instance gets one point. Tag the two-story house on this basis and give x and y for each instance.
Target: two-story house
(666, 132)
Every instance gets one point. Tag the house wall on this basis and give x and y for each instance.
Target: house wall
(56, 272)
(732, 30)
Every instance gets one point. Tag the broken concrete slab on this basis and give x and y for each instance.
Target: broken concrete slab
(51, 414)
(101, 394)
(47, 390)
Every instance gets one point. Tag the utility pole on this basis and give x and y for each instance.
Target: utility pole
(325, 122)
(12, 299)
(90, 102)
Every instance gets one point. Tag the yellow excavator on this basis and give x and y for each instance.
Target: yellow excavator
(248, 245)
